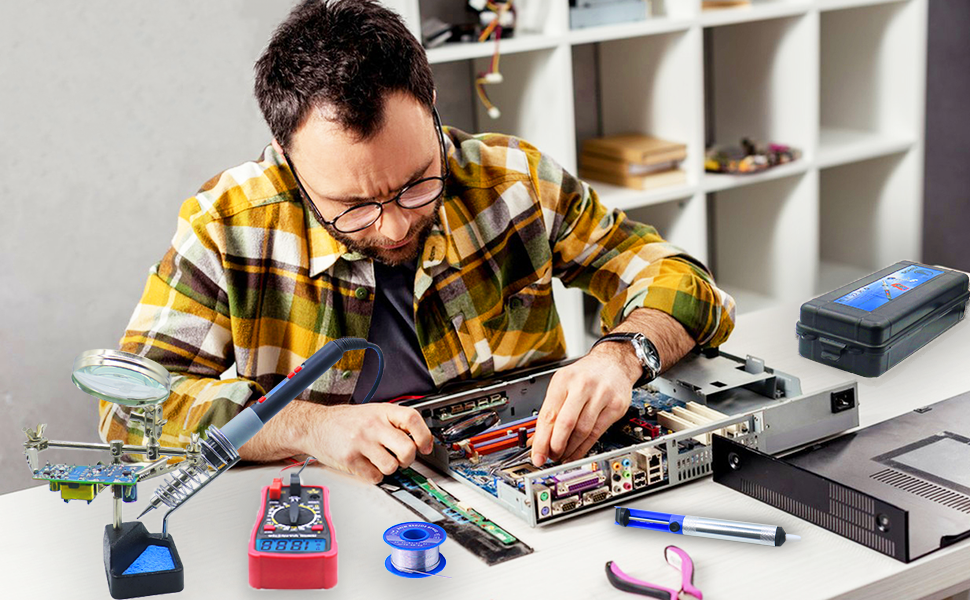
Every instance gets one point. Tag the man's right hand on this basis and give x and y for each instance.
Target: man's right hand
(366, 440)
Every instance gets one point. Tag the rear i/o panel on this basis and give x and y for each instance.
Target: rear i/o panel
(663, 440)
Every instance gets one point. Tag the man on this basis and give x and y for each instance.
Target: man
(366, 218)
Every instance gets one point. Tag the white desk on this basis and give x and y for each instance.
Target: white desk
(50, 549)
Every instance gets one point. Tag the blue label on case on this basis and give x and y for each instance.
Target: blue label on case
(890, 287)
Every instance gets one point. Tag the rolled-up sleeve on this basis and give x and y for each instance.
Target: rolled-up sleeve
(625, 264)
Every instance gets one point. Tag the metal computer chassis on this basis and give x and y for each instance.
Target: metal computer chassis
(760, 407)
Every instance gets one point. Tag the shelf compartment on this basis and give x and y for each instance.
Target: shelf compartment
(758, 10)
(838, 146)
(765, 241)
(761, 83)
(650, 85)
(534, 99)
(869, 75)
(867, 217)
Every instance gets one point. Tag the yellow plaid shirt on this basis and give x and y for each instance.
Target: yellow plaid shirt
(253, 280)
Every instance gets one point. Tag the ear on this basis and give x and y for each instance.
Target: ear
(278, 148)
(434, 96)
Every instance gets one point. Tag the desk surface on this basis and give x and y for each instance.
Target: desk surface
(49, 547)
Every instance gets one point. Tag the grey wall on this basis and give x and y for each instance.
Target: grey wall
(946, 214)
(111, 113)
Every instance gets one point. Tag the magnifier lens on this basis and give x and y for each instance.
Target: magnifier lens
(121, 377)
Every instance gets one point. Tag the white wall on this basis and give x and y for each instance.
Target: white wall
(111, 113)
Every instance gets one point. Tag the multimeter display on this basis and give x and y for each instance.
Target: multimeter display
(264, 545)
(890, 287)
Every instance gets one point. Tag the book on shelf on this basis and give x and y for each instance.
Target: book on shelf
(714, 4)
(635, 148)
(636, 182)
(622, 167)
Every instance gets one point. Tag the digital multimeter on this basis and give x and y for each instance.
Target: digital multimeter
(293, 545)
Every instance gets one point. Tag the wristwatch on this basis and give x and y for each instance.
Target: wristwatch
(644, 349)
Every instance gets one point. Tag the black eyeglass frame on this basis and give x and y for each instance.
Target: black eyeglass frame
(443, 178)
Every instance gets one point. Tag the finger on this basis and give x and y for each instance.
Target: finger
(602, 423)
(576, 400)
(555, 396)
(383, 460)
(598, 401)
(410, 420)
(584, 425)
(399, 444)
(363, 468)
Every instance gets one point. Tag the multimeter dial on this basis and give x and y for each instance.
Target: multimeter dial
(282, 516)
(293, 545)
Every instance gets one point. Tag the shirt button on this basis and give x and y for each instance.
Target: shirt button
(361, 293)
(346, 374)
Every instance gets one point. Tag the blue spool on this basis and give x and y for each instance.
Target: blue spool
(414, 538)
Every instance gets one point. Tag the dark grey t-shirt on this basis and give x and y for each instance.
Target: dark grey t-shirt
(392, 328)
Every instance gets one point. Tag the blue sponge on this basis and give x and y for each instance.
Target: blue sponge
(153, 559)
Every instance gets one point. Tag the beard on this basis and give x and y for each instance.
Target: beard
(371, 248)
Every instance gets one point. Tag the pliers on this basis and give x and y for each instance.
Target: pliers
(676, 558)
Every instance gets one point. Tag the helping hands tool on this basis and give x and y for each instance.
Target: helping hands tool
(676, 558)
(734, 531)
(136, 562)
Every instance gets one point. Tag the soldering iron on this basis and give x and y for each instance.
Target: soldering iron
(220, 448)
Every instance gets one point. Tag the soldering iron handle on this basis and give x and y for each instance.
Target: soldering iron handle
(244, 426)
(302, 378)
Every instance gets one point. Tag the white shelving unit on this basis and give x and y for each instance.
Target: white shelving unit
(842, 80)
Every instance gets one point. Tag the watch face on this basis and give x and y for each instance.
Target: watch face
(648, 352)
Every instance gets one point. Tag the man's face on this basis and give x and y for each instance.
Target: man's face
(338, 171)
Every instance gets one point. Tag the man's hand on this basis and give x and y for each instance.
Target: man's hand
(582, 401)
(588, 396)
(367, 440)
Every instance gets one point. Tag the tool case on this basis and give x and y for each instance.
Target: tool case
(872, 324)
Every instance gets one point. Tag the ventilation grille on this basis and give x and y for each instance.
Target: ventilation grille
(695, 464)
(924, 489)
(850, 515)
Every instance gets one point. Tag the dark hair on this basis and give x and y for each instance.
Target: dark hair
(342, 55)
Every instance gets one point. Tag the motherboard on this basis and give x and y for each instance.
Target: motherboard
(483, 434)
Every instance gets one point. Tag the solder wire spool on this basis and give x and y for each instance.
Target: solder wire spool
(414, 549)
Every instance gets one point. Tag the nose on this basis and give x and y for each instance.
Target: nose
(394, 222)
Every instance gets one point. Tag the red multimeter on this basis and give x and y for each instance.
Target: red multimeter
(293, 546)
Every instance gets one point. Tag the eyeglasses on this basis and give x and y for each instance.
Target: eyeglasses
(413, 195)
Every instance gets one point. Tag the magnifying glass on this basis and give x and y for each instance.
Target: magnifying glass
(121, 377)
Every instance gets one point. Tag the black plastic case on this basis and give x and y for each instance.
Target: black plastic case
(870, 342)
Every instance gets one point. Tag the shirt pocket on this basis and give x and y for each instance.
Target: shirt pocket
(527, 328)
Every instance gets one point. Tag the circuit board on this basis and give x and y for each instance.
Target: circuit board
(89, 474)
(483, 432)
(461, 522)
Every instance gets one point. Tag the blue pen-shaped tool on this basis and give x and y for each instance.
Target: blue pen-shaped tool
(735, 531)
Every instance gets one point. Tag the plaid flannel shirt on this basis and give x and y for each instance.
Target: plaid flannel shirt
(253, 280)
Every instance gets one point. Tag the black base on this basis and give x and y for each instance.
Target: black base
(122, 547)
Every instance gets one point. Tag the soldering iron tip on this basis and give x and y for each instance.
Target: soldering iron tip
(144, 512)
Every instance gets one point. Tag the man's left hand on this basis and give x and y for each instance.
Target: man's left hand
(582, 401)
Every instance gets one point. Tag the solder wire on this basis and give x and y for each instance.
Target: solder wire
(415, 561)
